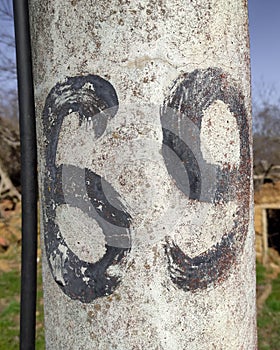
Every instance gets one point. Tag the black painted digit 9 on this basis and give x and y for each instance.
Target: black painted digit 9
(95, 99)
(190, 96)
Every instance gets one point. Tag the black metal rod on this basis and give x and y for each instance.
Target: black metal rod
(28, 176)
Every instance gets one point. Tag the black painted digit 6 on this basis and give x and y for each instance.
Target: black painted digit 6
(95, 99)
(190, 96)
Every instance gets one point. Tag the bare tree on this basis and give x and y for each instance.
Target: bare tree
(9, 134)
(9, 161)
(266, 116)
(7, 188)
(9, 105)
(7, 42)
(267, 121)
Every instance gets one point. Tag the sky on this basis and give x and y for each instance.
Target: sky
(264, 24)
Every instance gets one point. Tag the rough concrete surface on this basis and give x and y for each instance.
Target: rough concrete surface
(143, 118)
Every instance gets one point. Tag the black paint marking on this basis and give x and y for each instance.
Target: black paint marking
(94, 99)
(110, 213)
(186, 156)
(190, 96)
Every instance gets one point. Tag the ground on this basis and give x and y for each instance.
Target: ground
(10, 255)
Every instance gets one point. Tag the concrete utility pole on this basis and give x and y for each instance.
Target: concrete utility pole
(143, 112)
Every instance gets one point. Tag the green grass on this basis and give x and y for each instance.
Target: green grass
(269, 316)
(9, 284)
(273, 301)
(261, 273)
(10, 310)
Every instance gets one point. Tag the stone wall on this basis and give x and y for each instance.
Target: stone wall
(266, 197)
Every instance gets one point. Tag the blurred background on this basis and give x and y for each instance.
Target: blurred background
(265, 57)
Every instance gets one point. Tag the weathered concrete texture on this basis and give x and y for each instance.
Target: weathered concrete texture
(143, 114)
